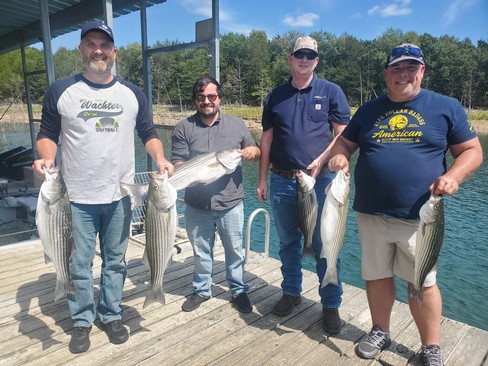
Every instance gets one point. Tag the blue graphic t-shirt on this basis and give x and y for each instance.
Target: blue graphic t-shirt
(402, 149)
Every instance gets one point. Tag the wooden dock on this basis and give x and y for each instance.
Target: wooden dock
(35, 330)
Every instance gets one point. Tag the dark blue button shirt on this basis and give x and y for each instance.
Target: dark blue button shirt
(301, 121)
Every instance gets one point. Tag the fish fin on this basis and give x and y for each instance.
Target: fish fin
(330, 277)
(46, 258)
(136, 192)
(60, 291)
(145, 260)
(156, 294)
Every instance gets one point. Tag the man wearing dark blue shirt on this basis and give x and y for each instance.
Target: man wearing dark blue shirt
(402, 138)
(300, 120)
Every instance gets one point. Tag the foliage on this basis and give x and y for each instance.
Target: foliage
(251, 65)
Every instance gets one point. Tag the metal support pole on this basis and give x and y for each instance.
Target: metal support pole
(146, 67)
(108, 16)
(215, 44)
(46, 40)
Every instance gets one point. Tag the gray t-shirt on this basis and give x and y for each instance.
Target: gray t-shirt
(192, 138)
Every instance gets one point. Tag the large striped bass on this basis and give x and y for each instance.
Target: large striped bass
(307, 209)
(160, 228)
(333, 224)
(205, 168)
(430, 236)
(53, 220)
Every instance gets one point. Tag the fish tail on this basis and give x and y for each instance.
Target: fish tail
(156, 294)
(416, 294)
(330, 277)
(307, 251)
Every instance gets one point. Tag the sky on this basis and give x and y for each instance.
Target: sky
(175, 20)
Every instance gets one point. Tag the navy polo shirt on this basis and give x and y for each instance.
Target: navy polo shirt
(301, 121)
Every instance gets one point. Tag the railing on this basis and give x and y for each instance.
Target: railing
(266, 231)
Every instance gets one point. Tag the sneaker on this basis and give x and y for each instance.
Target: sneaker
(331, 321)
(80, 339)
(431, 355)
(116, 331)
(376, 341)
(243, 303)
(193, 302)
(286, 305)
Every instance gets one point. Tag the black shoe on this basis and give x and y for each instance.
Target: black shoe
(80, 339)
(193, 302)
(286, 305)
(243, 303)
(116, 332)
(331, 321)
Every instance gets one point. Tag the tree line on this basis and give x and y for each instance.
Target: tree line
(251, 65)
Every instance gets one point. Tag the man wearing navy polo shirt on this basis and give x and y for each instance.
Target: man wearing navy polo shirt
(300, 120)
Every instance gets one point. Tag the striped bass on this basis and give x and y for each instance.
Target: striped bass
(160, 228)
(333, 224)
(307, 209)
(430, 236)
(53, 220)
(205, 168)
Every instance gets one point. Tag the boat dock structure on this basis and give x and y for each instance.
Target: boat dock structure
(36, 330)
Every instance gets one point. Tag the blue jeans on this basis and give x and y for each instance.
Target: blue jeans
(112, 223)
(200, 227)
(283, 197)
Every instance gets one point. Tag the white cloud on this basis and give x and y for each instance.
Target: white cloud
(304, 20)
(356, 16)
(455, 9)
(398, 8)
(204, 8)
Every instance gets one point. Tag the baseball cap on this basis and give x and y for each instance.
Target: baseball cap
(305, 43)
(405, 51)
(97, 26)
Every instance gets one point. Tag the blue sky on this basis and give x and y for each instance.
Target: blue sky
(364, 19)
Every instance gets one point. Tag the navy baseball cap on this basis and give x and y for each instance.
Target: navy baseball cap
(97, 26)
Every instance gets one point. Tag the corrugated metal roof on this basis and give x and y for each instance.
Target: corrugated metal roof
(21, 19)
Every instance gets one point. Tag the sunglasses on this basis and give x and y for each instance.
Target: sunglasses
(210, 97)
(309, 55)
(407, 50)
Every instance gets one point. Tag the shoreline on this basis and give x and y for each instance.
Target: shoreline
(168, 118)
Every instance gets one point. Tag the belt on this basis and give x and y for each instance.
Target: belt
(287, 173)
(290, 173)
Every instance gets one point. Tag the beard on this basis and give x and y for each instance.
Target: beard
(94, 65)
(209, 111)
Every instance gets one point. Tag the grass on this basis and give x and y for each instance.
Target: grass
(18, 112)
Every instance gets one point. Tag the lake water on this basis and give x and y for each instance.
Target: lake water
(463, 263)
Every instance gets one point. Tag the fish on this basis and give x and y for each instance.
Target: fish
(307, 205)
(333, 224)
(53, 220)
(206, 168)
(160, 229)
(430, 236)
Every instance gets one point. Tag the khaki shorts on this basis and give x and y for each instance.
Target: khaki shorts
(388, 248)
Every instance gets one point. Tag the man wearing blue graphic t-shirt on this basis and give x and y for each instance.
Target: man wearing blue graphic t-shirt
(300, 120)
(402, 139)
(95, 114)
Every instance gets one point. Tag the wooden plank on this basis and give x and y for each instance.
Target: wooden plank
(35, 330)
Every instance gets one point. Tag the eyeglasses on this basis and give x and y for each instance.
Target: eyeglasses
(407, 50)
(210, 97)
(309, 55)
